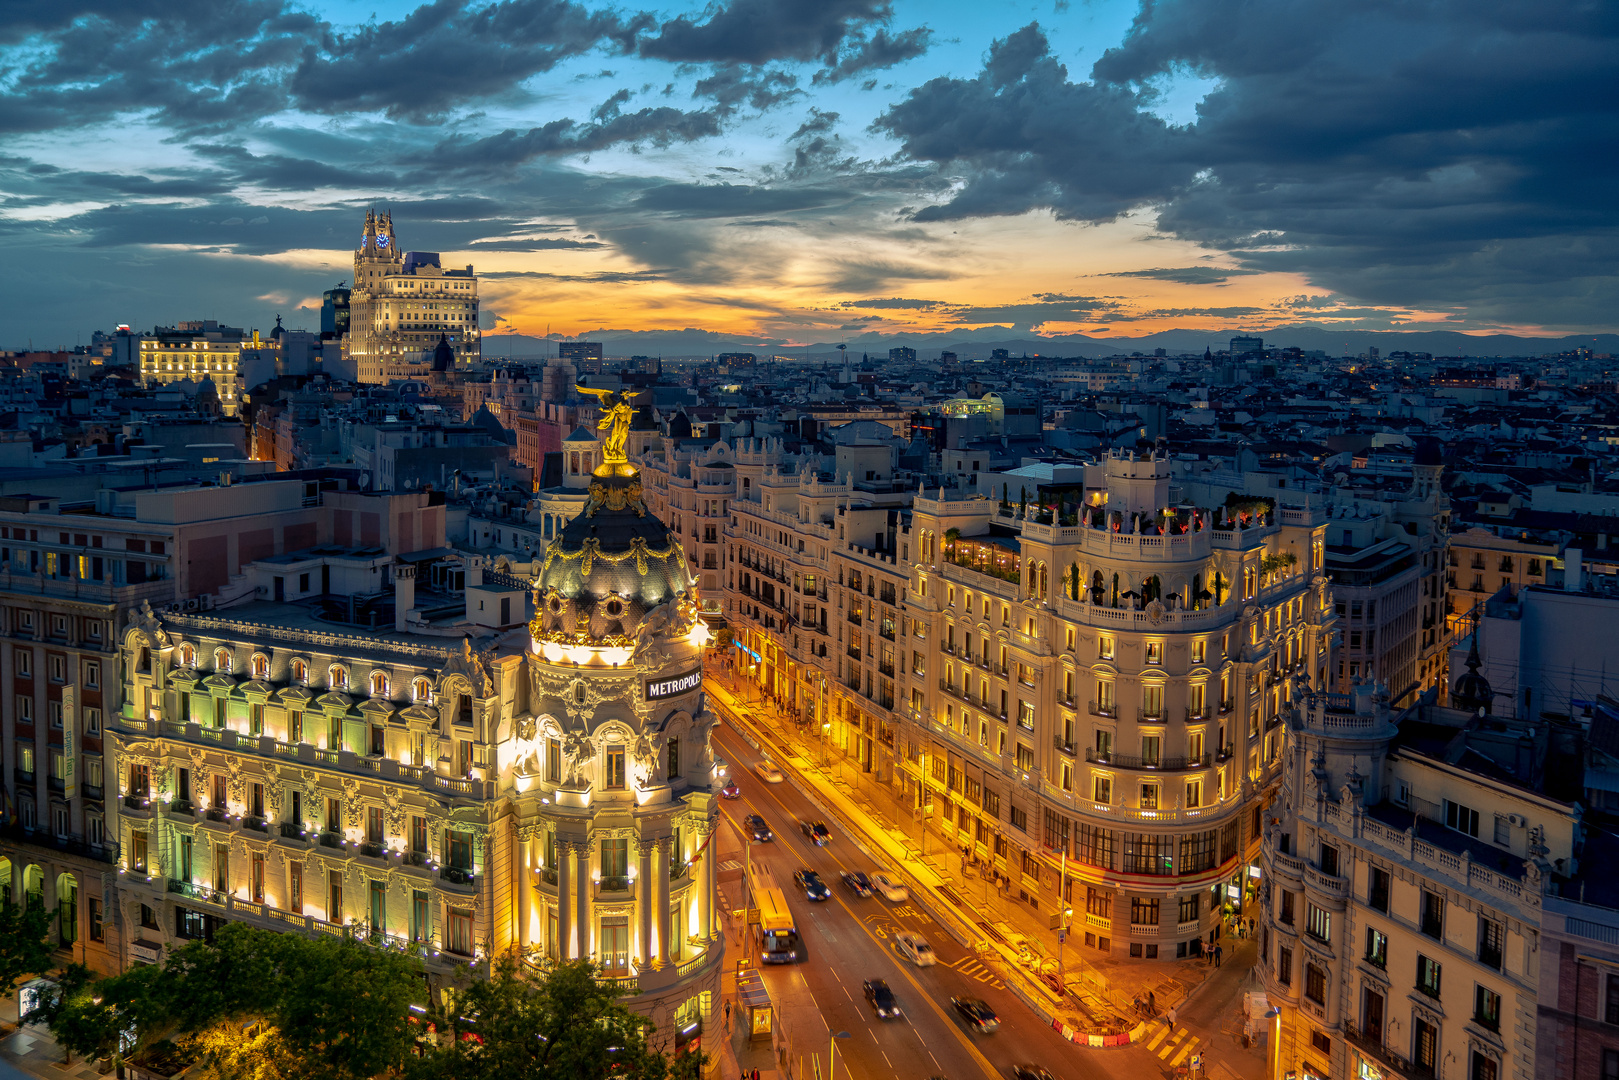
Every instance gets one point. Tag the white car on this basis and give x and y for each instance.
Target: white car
(769, 773)
(915, 948)
(890, 887)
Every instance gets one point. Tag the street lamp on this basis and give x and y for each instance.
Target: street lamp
(832, 1054)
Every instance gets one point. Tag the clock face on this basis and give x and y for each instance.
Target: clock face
(382, 241)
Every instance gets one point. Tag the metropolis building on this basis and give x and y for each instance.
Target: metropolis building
(456, 789)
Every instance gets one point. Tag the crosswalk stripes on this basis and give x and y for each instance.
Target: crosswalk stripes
(1179, 1042)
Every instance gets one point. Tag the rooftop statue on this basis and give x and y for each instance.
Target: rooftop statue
(615, 421)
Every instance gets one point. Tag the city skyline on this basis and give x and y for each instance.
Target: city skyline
(797, 173)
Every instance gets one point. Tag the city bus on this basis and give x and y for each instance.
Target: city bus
(775, 933)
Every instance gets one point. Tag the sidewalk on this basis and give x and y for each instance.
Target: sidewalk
(1210, 1025)
(31, 1052)
(1101, 987)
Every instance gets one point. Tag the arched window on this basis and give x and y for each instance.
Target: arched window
(300, 671)
(261, 666)
(221, 659)
(379, 684)
(337, 676)
(188, 656)
(422, 690)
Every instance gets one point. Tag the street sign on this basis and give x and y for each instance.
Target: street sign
(1062, 936)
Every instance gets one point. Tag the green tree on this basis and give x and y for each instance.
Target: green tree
(345, 1007)
(564, 1025)
(25, 947)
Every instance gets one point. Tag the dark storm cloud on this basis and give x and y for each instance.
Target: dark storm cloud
(862, 276)
(733, 85)
(1399, 154)
(893, 302)
(1187, 275)
(548, 244)
(880, 50)
(449, 52)
(735, 200)
(196, 66)
(1208, 312)
(658, 126)
(759, 31)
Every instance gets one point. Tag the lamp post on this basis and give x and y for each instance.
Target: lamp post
(832, 1054)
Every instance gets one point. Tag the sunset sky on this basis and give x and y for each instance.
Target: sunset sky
(796, 171)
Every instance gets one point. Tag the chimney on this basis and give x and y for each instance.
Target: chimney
(474, 571)
(1572, 570)
(404, 594)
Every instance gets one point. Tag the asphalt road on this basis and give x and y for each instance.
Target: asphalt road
(849, 940)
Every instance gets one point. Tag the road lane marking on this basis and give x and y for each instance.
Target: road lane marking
(1163, 1055)
(1158, 1038)
(973, 969)
(884, 1053)
(1186, 1049)
(977, 1055)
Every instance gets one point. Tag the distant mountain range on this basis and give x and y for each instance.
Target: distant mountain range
(692, 343)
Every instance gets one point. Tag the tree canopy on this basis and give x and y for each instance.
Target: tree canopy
(257, 1005)
(25, 947)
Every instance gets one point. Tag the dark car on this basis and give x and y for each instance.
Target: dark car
(817, 832)
(1031, 1072)
(881, 999)
(976, 1013)
(858, 883)
(731, 790)
(814, 888)
(758, 829)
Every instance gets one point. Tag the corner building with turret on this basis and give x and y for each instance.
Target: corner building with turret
(1082, 687)
(451, 788)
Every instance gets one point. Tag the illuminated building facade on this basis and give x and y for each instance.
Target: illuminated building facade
(1102, 677)
(401, 304)
(447, 789)
(1411, 865)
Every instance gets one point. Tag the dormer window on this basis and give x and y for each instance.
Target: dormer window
(337, 677)
(379, 684)
(422, 690)
(222, 660)
(261, 667)
(300, 671)
(188, 656)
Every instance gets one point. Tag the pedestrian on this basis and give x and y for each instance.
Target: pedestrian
(727, 1014)
(1219, 954)
(1152, 1002)
(1136, 1002)
(1172, 1017)
(755, 1072)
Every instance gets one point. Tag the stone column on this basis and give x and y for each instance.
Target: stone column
(707, 887)
(644, 902)
(660, 901)
(524, 884)
(564, 870)
(581, 911)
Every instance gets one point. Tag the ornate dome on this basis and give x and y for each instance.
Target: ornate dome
(609, 566)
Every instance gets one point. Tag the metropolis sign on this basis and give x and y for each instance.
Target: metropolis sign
(674, 687)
